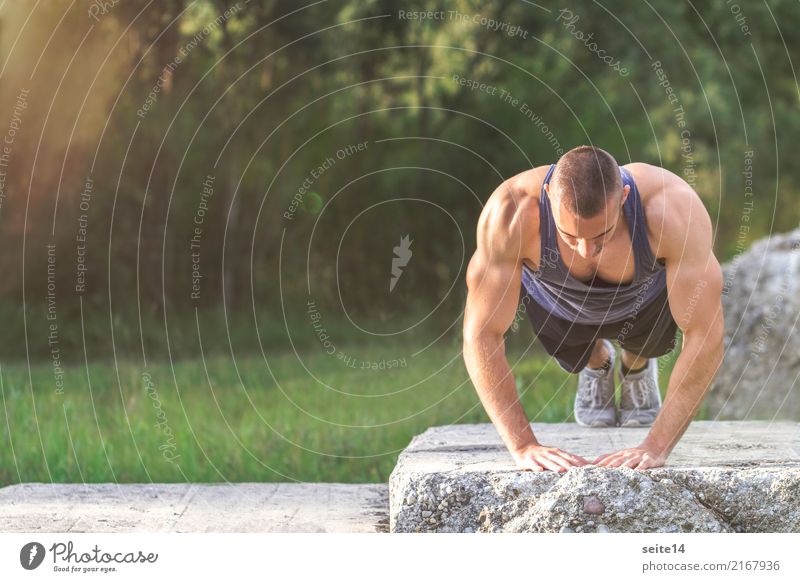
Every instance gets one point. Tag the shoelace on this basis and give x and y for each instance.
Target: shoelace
(640, 392)
(591, 393)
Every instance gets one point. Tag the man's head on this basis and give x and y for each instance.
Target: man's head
(586, 193)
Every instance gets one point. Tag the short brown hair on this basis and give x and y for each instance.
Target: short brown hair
(585, 179)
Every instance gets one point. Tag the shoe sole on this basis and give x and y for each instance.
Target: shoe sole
(635, 424)
(595, 424)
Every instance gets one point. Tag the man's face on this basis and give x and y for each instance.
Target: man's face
(588, 236)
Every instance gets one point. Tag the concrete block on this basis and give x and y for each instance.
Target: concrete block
(728, 476)
(179, 507)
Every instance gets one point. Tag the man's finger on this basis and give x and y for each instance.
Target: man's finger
(529, 463)
(612, 458)
(557, 458)
(548, 464)
(632, 462)
(601, 457)
(648, 463)
(606, 459)
(621, 460)
(576, 459)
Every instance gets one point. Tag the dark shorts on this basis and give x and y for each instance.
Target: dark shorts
(649, 332)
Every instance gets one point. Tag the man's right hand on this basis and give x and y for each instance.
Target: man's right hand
(541, 458)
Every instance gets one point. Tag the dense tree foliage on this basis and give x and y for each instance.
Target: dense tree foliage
(146, 121)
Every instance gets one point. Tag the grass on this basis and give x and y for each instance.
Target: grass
(306, 417)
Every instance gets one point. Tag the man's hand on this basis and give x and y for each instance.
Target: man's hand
(542, 458)
(638, 458)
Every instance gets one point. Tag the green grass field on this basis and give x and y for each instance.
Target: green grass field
(307, 417)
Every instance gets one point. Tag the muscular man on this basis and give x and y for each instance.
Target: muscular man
(597, 253)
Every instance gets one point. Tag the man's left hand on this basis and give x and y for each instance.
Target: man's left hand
(638, 458)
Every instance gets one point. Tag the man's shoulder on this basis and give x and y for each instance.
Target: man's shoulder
(511, 214)
(519, 193)
(670, 204)
(527, 183)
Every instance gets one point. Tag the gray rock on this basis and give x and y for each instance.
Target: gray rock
(602, 528)
(565, 529)
(722, 476)
(758, 378)
(593, 506)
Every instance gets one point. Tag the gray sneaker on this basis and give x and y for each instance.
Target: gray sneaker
(640, 400)
(594, 402)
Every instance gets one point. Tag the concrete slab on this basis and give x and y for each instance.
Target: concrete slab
(166, 507)
(722, 476)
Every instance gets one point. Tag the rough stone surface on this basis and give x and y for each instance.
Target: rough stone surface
(721, 477)
(240, 507)
(760, 375)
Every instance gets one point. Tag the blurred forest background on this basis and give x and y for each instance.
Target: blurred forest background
(267, 94)
(132, 121)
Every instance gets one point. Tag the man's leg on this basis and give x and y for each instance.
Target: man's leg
(632, 362)
(576, 349)
(651, 335)
(570, 344)
(595, 399)
(600, 355)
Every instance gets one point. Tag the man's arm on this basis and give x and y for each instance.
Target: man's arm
(694, 287)
(493, 281)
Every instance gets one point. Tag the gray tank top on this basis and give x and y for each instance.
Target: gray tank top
(596, 302)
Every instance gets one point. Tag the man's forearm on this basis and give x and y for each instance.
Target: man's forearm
(691, 377)
(491, 375)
